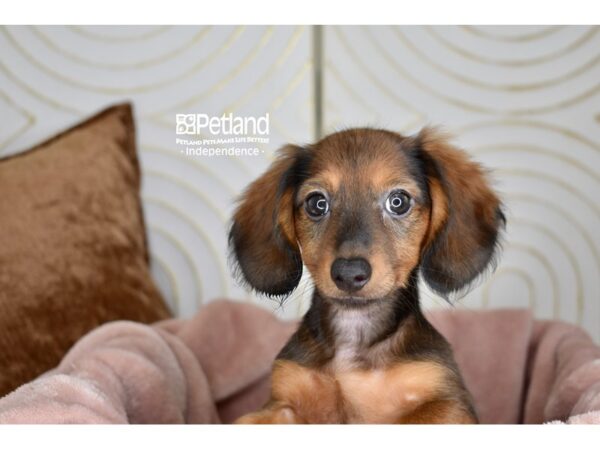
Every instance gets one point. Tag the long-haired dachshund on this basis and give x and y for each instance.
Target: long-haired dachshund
(367, 211)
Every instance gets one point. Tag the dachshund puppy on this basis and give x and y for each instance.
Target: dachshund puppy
(367, 211)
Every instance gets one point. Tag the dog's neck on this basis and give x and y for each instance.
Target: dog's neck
(336, 331)
(356, 328)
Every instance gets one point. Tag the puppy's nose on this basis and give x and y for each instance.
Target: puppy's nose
(350, 274)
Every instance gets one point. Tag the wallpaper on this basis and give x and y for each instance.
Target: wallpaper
(522, 100)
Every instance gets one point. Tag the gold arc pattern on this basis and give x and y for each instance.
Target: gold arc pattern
(269, 73)
(523, 274)
(119, 39)
(513, 38)
(29, 121)
(514, 63)
(160, 59)
(205, 170)
(474, 116)
(156, 260)
(553, 237)
(190, 221)
(174, 241)
(101, 89)
(469, 106)
(511, 87)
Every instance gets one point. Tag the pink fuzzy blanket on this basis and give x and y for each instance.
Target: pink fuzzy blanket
(215, 367)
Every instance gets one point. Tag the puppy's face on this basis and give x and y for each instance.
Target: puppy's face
(362, 209)
(362, 215)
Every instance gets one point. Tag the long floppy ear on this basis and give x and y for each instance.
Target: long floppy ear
(466, 216)
(262, 239)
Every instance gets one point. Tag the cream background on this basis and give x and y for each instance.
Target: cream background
(523, 100)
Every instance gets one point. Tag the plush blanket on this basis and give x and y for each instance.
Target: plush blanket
(215, 367)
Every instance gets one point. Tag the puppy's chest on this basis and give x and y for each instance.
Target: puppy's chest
(383, 393)
(358, 395)
(384, 396)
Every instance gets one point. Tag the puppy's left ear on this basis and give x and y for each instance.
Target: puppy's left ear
(262, 238)
(466, 215)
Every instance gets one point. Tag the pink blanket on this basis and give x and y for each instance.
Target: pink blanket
(214, 367)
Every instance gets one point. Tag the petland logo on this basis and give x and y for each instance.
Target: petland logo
(226, 125)
(227, 135)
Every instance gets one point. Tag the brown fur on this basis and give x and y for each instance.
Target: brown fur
(404, 393)
(368, 357)
(468, 239)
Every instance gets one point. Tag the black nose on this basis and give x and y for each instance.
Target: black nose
(350, 274)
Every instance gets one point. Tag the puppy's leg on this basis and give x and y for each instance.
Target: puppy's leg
(440, 412)
(275, 414)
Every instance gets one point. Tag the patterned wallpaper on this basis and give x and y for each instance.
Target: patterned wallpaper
(523, 100)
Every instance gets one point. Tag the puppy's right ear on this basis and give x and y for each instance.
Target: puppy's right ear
(262, 239)
(467, 216)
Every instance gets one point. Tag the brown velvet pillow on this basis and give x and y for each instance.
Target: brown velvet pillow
(73, 251)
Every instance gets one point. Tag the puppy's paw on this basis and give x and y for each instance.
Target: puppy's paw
(280, 415)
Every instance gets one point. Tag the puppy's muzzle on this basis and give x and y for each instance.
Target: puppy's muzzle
(350, 275)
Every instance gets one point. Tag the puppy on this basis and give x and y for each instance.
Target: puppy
(366, 211)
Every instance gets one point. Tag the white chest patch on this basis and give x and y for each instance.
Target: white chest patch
(352, 328)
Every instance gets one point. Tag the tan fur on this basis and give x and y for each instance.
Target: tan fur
(285, 219)
(439, 210)
(439, 412)
(473, 209)
(259, 241)
(408, 392)
(261, 196)
(379, 174)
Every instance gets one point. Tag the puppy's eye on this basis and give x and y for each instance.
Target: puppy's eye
(398, 203)
(316, 205)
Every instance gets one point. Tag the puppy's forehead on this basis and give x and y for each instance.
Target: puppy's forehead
(363, 158)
